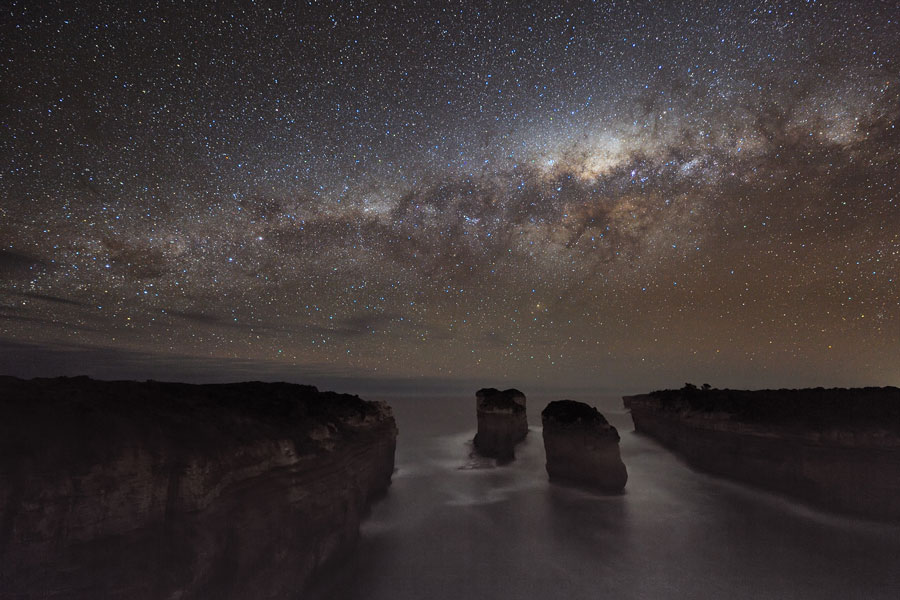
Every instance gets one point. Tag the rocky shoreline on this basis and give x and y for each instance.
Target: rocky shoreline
(837, 449)
(163, 490)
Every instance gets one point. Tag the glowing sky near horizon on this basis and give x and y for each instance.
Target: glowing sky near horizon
(632, 194)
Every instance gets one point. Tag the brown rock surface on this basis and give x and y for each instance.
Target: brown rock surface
(502, 422)
(582, 447)
(164, 490)
(834, 448)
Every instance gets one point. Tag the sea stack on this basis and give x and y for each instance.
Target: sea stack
(582, 447)
(501, 422)
(146, 490)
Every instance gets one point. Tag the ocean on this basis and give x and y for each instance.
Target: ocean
(455, 526)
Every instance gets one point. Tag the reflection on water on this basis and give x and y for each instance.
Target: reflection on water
(455, 526)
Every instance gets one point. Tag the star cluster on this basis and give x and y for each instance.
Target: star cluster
(572, 194)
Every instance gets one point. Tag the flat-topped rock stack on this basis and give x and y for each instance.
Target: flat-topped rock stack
(582, 447)
(502, 422)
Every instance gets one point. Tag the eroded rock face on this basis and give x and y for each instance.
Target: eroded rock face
(502, 422)
(161, 490)
(582, 447)
(838, 449)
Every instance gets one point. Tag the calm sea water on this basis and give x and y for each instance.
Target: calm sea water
(457, 527)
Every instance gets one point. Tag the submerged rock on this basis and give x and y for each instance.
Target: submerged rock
(834, 448)
(582, 447)
(163, 490)
(502, 422)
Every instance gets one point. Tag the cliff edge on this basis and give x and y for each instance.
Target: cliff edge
(163, 490)
(838, 449)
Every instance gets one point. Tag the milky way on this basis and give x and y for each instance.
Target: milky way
(584, 195)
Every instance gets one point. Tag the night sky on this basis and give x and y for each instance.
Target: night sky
(608, 195)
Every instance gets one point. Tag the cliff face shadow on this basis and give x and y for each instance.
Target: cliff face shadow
(149, 490)
(835, 448)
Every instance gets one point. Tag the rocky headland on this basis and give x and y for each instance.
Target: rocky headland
(582, 448)
(163, 490)
(502, 422)
(838, 449)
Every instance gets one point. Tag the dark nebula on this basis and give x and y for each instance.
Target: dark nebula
(564, 194)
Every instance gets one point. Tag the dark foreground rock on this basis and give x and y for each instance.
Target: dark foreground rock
(834, 448)
(502, 422)
(582, 447)
(163, 490)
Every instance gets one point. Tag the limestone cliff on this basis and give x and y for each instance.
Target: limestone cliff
(502, 422)
(162, 490)
(582, 447)
(835, 448)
